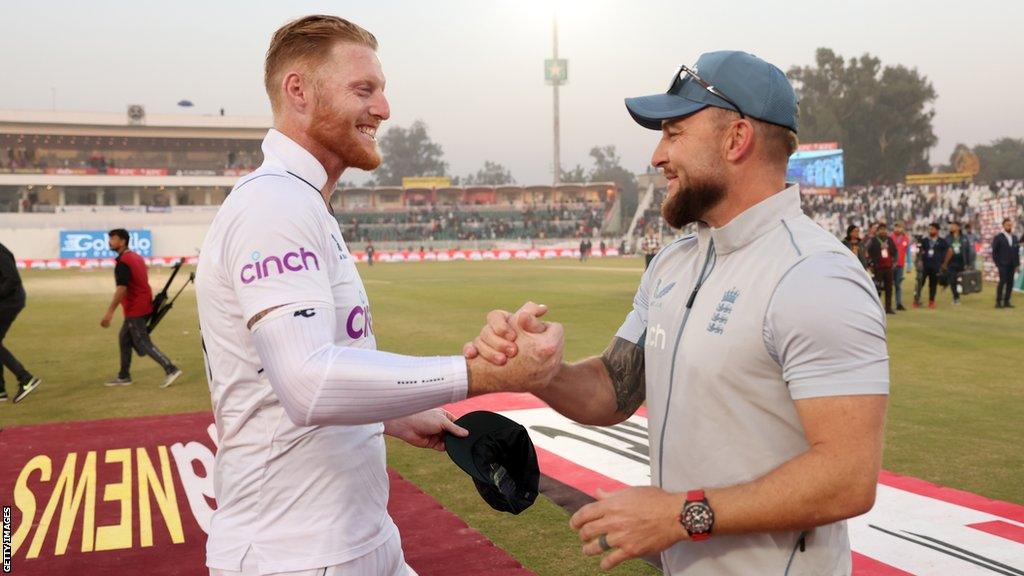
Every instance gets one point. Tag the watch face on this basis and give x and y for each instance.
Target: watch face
(697, 518)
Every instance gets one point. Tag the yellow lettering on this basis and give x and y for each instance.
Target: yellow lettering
(164, 494)
(25, 500)
(118, 536)
(70, 497)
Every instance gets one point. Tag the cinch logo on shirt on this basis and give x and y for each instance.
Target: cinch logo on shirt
(271, 265)
(655, 337)
(359, 323)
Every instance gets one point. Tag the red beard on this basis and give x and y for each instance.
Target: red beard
(338, 134)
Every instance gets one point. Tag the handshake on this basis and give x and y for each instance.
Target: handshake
(514, 352)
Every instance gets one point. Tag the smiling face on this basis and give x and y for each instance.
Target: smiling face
(688, 155)
(349, 105)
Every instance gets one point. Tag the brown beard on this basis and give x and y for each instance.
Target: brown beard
(691, 202)
(336, 133)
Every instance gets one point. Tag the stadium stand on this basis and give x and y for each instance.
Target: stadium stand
(119, 167)
(86, 171)
(50, 160)
(916, 205)
(475, 222)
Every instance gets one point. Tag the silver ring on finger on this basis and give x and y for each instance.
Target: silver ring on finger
(602, 541)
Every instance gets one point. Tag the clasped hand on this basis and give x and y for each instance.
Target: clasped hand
(515, 352)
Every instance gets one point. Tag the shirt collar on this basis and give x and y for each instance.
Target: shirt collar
(752, 222)
(285, 153)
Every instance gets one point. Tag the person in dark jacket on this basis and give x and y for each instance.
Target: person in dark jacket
(956, 259)
(972, 241)
(12, 302)
(932, 253)
(882, 254)
(370, 252)
(1006, 256)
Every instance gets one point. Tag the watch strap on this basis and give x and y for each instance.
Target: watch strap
(696, 497)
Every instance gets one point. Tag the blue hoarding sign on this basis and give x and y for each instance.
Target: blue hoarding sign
(93, 243)
(816, 168)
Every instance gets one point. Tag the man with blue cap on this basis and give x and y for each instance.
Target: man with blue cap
(758, 345)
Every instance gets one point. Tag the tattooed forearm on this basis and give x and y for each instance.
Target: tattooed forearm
(624, 361)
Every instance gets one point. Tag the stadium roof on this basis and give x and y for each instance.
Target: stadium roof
(119, 124)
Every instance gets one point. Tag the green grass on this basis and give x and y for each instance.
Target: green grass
(954, 417)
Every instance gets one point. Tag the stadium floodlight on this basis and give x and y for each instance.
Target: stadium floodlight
(556, 73)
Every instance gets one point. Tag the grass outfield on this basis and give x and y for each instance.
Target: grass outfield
(954, 418)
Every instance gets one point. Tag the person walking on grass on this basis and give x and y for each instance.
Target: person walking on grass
(12, 302)
(135, 297)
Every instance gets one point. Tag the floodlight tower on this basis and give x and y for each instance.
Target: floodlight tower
(556, 72)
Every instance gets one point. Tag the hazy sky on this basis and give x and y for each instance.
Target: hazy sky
(473, 70)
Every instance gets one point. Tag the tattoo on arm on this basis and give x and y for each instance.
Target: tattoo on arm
(259, 316)
(624, 361)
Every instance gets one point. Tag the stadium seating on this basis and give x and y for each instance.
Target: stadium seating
(916, 205)
(480, 222)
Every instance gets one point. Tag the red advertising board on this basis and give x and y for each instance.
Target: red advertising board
(72, 171)
(137, 171)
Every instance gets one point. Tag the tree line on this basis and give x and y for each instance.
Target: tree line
(881, 115)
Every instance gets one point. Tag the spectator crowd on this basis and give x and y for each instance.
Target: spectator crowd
(458, 222)
(933, 228)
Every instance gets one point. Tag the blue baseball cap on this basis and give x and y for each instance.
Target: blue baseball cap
(727, 79)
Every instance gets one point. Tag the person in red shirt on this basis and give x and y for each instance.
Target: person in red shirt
(135, 297)
(902, 241)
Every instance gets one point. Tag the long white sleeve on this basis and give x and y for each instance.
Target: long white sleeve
(319, 382)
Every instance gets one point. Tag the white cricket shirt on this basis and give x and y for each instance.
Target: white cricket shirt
(299, 497)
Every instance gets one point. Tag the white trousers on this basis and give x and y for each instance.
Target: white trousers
(386, 560)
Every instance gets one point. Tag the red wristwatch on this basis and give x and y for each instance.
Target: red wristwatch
(697, 517)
